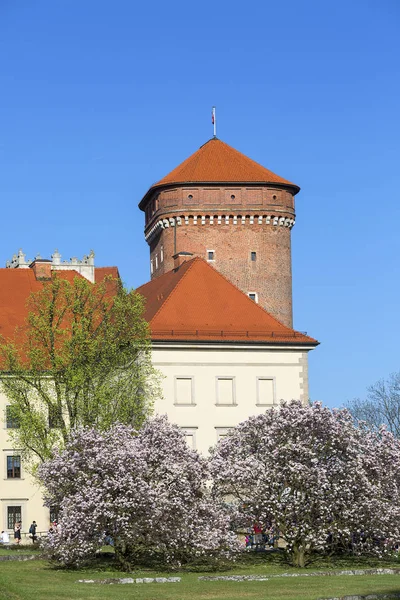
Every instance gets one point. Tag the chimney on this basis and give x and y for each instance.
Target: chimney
(180, 258)
(42, 268)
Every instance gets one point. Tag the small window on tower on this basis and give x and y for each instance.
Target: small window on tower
(253, 296)
(210, 255)
(253, 256)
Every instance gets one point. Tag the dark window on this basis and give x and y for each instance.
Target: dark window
(53, 514)
(54, 417)
(12, 421)
(210, 254)
(190, 196)
(233, 196)
(13, 467)
(253, 256)
(13, 516)
(253, 296)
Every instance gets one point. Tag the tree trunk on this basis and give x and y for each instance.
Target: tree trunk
(299, 555)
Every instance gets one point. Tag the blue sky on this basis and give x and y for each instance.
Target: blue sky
(100, 99)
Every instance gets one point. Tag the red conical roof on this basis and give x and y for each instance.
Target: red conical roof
(217, 162)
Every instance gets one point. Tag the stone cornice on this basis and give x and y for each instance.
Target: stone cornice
(206, 219)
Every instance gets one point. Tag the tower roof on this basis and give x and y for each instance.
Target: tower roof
(196, 303)
(217, 162)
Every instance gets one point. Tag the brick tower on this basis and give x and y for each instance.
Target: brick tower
(224, 207)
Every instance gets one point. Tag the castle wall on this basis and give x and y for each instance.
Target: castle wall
(246, 228)
(207, 390)
(258, 379)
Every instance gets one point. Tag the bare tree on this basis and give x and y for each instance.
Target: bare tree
(381, 405)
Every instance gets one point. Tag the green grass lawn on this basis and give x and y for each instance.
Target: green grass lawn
(36, 580)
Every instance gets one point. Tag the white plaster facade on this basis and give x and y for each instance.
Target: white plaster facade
(210, 388)
(207, 389)
(18, 492)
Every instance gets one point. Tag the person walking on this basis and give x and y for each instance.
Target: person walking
(17, 532)
(32, 531)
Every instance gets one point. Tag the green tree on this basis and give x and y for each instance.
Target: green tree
(82, 358)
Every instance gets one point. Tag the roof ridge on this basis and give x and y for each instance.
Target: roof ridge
(192, 260)
(107, 267)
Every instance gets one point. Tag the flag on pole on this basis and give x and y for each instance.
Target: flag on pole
(214, 121)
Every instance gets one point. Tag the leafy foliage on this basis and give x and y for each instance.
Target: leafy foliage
(83, 358)
(307, 470)
(147, 491)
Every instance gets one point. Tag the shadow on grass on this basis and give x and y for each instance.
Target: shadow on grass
(247, 562)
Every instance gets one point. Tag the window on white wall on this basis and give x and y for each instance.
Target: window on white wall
(184, 391)
(265, 391)
(13, 467)
(222, 432)
(14, 515)
(190, 436)
(12, 421)
(226, 391)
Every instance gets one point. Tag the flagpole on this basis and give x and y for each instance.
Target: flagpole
(214, 120)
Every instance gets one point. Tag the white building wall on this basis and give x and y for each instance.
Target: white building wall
(18, 492)
(206, 390)
(259, 378)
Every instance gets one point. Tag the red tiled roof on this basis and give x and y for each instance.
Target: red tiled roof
(101, 273)
(215, 162)
(16, 285)
(196, 302)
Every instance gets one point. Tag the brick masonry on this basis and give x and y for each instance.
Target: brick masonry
(233, 222)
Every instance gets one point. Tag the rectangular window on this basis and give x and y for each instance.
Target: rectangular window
(210, 255)
(190, 436)
(151, 267)
(14, 515)
(13, 467)
(253, 256)
(222, 432)
(253, 296)
(53, 514)
(265, 391)
(162, 254)
(11, 418)
(55, 419)
(184, 391)
(156, 262)
(226, 391)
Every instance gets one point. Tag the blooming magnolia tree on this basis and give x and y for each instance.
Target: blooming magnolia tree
(309, 472)
(146, 490)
